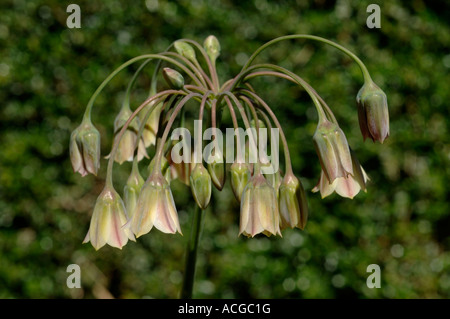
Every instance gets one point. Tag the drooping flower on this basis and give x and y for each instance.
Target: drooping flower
(107, 220)
(125, 151)
(85, 149)
(155, 207)
(373, 113)
(333, 150)
(345, 186)
(259, 209)
(132, 190)
(293, 204)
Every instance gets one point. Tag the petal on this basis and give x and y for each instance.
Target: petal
(347, 187)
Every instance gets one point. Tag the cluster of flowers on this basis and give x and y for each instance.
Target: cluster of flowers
(268, 202)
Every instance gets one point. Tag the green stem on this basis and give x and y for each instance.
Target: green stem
(364, 70)
(295, 80)
(87, 113)
(191, 254)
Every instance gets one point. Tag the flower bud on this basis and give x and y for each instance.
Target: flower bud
(107, 220)
(259, 209)
(345, 186)
(212, 47)
(125, 150)
(173, 78)
(185, 50)
(132, 189)
(85, 149)
(240, 175)
(201, 185)
(216, 168)
(155, 207)
(333, 150)
(373, 113)
(293, 204)
(152, 124)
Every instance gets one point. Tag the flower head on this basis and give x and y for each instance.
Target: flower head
(293, 204)
(345, 186)
(373, 113)
(155, 207)
(107, 220)
(85, 149)
(259, 209)
(333, 150)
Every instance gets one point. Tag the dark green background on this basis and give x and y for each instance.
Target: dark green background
(48, 72)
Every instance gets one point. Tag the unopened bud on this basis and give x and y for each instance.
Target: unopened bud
(240, 175)
(216, 168)
(85, 149)
(131, 191)
(293, 204)
(212, 47)
(173, 78)
(373, 113)
(185, 50)
(201, 185)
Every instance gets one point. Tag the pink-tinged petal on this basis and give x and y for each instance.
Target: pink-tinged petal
(325, 187)
(347, 187)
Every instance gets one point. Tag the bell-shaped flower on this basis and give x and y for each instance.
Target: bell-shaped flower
(293, 204)
(155, 207)
(345, 186)
(240, 174)
(373, 113)
(85, 149)
(108, 220)
(333, 150)
(259, 209)
(201, 185)
(125, 151)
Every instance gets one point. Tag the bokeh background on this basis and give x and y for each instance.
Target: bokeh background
(48, 72)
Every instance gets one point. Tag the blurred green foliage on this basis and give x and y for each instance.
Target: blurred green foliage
(48, 72)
